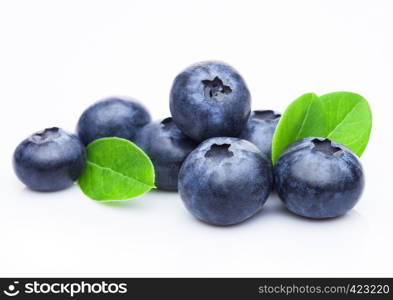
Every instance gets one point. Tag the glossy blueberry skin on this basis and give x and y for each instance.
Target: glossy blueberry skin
(318, 178)
(167, 148)
(210, 99)
(260, 128)
(49, 160)
(225, 181)
(112, 117)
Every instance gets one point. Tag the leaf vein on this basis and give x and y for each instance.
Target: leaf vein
(303, 123)
(342, 121)
(119, 174)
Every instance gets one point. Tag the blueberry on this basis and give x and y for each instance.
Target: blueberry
(112, 117)
(49, 160)
(225, 180)
(210, 99)
(260, 128)
(318, 178)
(167, 147)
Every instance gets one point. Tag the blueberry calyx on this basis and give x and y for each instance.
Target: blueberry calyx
(219, 152)
(266, 115)
(45, 135)
(216, 89)
(167, 123)
(325, 146)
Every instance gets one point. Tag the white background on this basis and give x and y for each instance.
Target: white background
(58, 57)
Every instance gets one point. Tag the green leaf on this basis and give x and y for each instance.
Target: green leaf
(349, 119)
(343, 117)
(116, 169)
(304, 117)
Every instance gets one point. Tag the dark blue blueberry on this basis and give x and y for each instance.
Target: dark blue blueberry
(225, 180)
(167, 148)
(318, 178)
(210, 99)
(49, 160)
(260, 128)
(112, 117)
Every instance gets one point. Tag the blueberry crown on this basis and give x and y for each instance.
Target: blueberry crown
(325, 146)
(215, 89)
(219, 152)
(45, 135)
(265, 115)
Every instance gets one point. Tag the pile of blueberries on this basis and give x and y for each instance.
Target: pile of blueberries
(213, 149)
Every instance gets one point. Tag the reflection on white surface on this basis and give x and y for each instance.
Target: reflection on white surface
(155, 235)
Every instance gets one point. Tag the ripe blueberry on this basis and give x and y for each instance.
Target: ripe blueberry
(112, 117)
(225, 180)
(49, 160)
(260, 128)
(318, 178)
(210, 99)
(167, 147)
